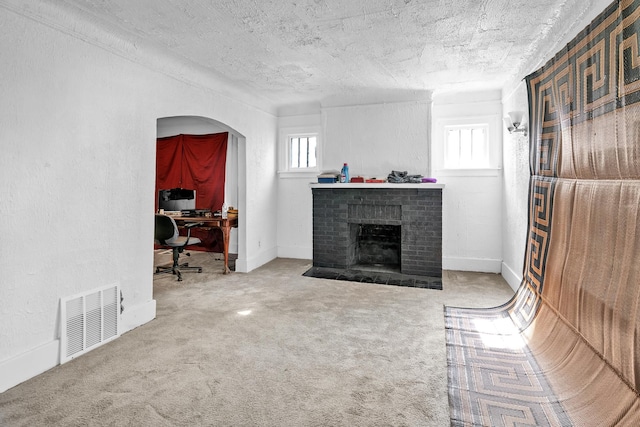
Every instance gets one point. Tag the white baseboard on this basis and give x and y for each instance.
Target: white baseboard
(511, 277)
(40, 359)
(27, 365)
(138, 315)
(481, 265)
(246, 265)
(296, 252)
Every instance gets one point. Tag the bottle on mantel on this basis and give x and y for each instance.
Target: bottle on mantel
(344, 174)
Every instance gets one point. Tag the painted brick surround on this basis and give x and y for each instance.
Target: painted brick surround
(338, 209)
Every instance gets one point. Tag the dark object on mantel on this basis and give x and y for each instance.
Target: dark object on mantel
(397, 177)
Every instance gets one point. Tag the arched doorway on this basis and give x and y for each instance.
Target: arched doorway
(235, 191)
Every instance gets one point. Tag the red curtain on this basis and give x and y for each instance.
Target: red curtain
(195, 162)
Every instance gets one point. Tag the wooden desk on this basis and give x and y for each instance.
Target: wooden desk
(224, 224)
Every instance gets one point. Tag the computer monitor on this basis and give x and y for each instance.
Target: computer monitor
(176, 199)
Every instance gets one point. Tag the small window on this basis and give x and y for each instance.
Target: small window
(303, 151)
(299, 152)
(466, 147)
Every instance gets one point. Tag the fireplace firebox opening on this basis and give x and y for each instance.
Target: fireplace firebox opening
(377, 247)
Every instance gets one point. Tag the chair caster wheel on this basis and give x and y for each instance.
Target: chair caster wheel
(158, 270)
(199, 270)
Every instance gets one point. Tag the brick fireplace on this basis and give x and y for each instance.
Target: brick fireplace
(390, 226)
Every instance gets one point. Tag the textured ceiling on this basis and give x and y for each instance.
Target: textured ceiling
(338, 51)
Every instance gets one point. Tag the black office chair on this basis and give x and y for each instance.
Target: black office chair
(167, 235)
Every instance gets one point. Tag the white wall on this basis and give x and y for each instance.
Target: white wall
(77, 173)
(472, 215)
(516, 192)
(295, 225)
(375, 139)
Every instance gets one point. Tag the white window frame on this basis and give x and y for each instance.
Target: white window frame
(494, 145)
(284, 158)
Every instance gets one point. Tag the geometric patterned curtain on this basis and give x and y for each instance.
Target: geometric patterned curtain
(570, 338)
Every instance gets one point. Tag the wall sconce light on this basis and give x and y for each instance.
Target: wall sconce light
(514, 122)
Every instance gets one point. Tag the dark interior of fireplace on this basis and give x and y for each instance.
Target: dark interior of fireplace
(377, 247)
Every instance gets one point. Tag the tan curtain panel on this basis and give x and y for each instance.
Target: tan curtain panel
(566, 350)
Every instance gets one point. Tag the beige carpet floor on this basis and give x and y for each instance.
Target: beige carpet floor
(267, 348)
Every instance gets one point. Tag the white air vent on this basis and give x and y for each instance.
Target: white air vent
(88, 321)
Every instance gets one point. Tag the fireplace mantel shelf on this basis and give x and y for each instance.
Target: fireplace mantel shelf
(360, 186)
